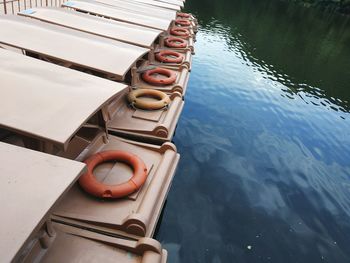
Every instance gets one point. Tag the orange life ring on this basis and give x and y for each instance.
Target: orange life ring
(182, 22)
(183, 15)
(175, 42)
(169, 56)
(179, 31)
(90, 184)
(170, 76)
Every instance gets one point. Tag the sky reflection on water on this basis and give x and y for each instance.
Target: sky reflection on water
(264, 175)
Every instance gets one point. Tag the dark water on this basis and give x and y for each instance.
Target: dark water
(264, 138)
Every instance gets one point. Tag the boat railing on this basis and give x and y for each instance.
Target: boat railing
(15, 6)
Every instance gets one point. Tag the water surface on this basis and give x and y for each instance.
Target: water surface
(264, 138)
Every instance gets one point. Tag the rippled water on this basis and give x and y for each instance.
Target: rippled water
(264, 138)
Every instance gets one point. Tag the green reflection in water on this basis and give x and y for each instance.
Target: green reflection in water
(309, 46)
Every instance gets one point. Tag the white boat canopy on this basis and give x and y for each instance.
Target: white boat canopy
(172, 2)
(119, 14)
(125, 32)
(141, 8)
(87, 51)
(157, 3)
(39, 101)
(31, 183)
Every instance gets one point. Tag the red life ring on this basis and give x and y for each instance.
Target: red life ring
(175, 57)
(179, 31)
(90, 184)
(183, 15)
(170, 76)
(182, 22)
(175, 42)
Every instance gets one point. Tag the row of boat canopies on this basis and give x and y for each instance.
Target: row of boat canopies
(91, 96)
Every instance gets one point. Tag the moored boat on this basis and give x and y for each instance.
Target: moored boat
(32, 183)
